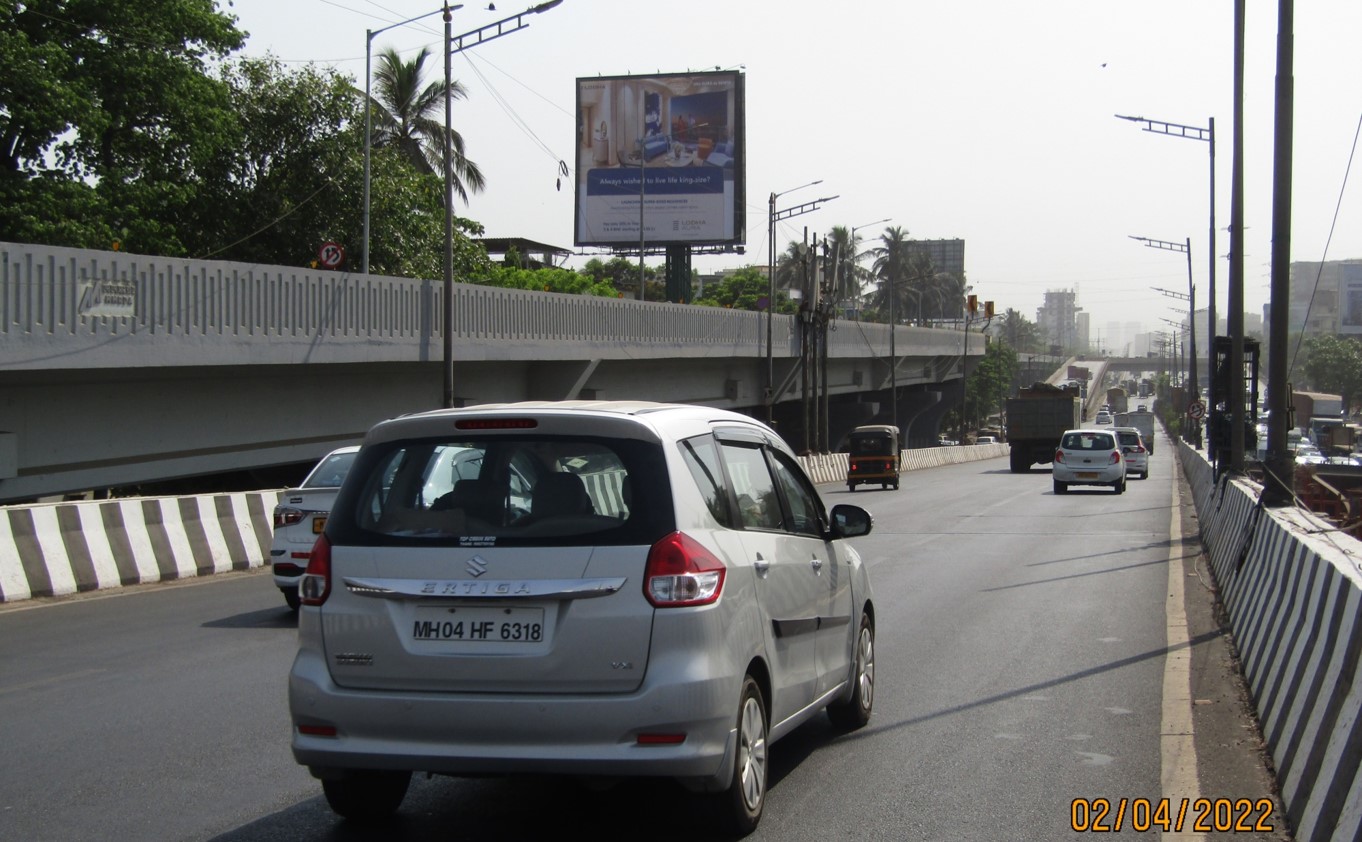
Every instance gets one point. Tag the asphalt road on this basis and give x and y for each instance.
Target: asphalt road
(1021, 653)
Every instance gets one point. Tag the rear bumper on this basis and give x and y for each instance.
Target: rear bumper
(472, 733)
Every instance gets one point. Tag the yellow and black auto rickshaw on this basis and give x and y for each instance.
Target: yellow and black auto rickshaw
(874, 456)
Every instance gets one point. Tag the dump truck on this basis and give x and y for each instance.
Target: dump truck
(1142, 421)
(1036, 419)
(1117, 399)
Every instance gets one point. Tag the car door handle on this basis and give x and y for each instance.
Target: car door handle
(761, 565)
(817, 565)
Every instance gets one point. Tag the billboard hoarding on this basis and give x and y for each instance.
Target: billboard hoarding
(664, 152)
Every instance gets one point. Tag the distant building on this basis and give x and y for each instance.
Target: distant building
(946, 255)
(1058, 319)
(531, 254)
(1326, 298)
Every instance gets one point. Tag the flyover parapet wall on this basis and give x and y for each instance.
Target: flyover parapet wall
(1293, 589)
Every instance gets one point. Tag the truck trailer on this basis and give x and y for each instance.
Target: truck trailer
(1037, 419)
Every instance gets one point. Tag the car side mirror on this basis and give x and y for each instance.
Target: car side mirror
(850, 521)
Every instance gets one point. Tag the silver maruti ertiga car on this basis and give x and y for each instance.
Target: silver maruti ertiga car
(623, 589)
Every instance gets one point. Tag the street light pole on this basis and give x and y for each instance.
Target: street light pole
(1208, 135)
(457, 44)
(1194, 438)
(369, 35)
(772, 215)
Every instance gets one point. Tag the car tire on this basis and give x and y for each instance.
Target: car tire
(851, 486)
(367, 796)
(896, 485)
(291, 597)
(855, 712)
(1120, 486)
(1061, 487)
(745, 797)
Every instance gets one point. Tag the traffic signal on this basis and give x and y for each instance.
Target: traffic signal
(973, 305)
(988, 309)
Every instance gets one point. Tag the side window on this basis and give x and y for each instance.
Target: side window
(806, 513)
(758, 506)
(702, 458)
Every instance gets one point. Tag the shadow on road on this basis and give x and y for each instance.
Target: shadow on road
(265, 618)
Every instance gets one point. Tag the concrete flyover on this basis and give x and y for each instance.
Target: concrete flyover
(118, 369)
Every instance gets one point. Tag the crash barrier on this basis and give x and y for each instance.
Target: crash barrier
(1292, 586)
(64, 548)
(832, 467)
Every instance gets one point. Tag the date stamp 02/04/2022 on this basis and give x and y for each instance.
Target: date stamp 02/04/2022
(1171, 815)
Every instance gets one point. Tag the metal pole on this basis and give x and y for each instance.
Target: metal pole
(449, 228)
(1194, 436)
(368, 141)
(1277, 489)
(893, 362)
(1212, 322)
(1236, 298)
(770, 308)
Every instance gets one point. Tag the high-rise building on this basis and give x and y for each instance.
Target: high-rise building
(1058, 320)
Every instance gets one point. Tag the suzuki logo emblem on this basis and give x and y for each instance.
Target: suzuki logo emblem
(476, 566)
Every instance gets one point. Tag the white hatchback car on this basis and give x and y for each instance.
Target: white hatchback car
(1133, 451)
(623, 589)
(1089, 457)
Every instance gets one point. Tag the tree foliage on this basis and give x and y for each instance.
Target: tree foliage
(745, 289)
(108, 118)
(990, 380)
(1334, 365)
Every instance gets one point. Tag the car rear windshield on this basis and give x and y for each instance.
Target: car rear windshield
(505, 490)
(331, 471)
(1129, 438)
(1088, 441)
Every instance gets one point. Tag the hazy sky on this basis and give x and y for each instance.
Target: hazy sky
(987, 120)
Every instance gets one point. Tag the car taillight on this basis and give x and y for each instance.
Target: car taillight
(286, 517)
(1116, 457)
(315, 586)
(1059, 456)
(681, 572)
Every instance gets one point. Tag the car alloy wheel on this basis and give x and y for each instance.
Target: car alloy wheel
(746, 793)
(855, 712)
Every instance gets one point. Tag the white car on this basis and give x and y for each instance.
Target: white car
(1103, 418)
(1133, 450)
(1089, 457)
(300, 516)
(622, 589)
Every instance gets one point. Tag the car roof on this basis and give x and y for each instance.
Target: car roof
(631, 419)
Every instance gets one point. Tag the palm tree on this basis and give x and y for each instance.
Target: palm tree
(790, 267)
(893, 270)
(1018, 332)
(411, 119)
(850, 275)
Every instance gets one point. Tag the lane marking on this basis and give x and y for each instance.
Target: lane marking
(1177, 742)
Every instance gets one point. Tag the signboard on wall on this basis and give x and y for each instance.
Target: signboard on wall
(665, 152)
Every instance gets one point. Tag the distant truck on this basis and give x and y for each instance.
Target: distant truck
(1117, 400)
(1079, 372)
(1037, 419)
(1142, 421)
(1308, 405)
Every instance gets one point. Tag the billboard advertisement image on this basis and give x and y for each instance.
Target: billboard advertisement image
(665, 152)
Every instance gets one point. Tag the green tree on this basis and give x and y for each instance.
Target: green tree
(410, 117)
(990, 380)
(548, 279)
(743, 290)
(1019, 333)
(107, 118)
(1334, 364)
(622, 274)
(893, 271)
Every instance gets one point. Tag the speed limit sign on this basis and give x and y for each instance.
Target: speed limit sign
(331, 255)
(1196, 410)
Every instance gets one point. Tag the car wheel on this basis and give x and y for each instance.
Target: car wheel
(742, 802)
(851, 486)
(291, 597)
(896, 485)
(1061, 487)
(1120, 486)
(367, 796)
(855, 712)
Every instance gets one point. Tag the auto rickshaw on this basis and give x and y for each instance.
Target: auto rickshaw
(874, 456)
